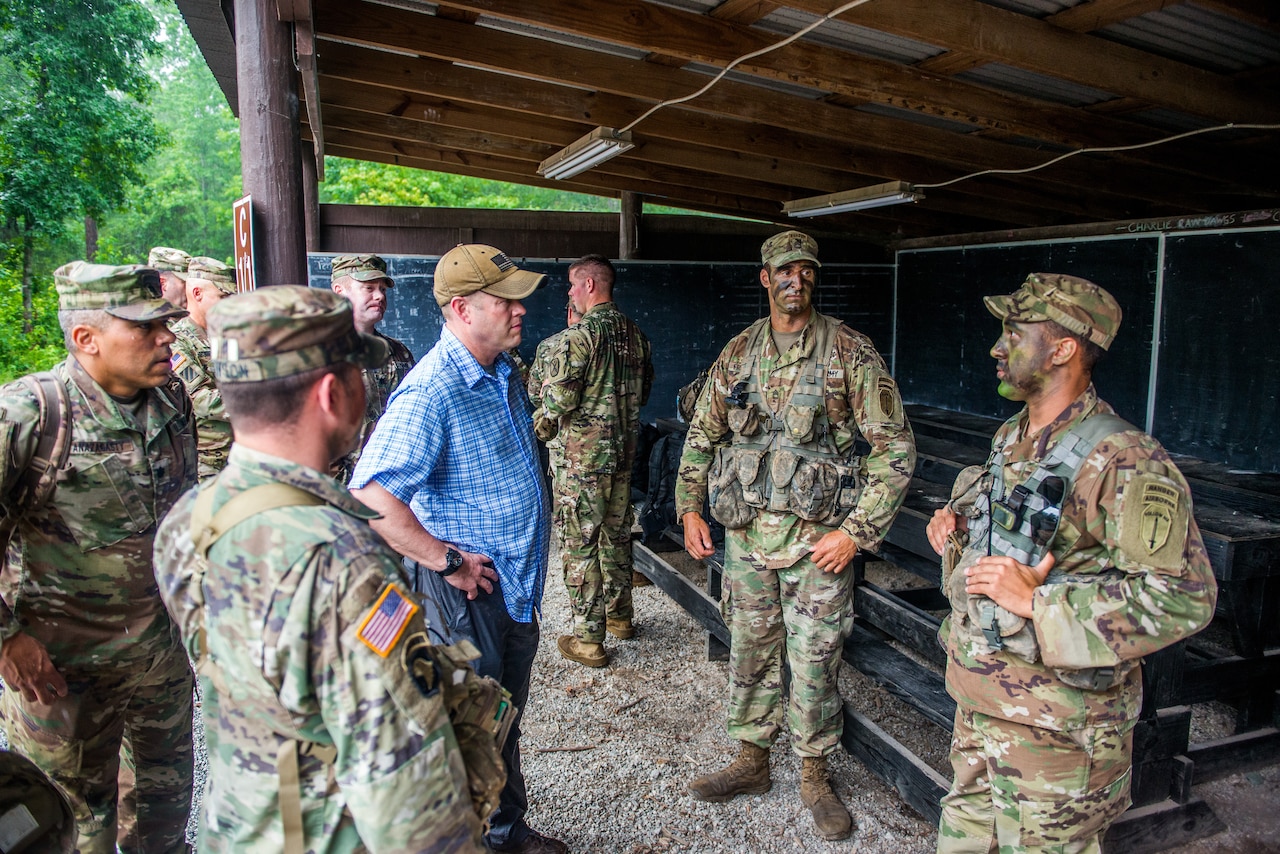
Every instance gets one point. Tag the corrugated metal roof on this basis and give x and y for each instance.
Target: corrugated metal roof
(559, 37)
(1009, 79)
(916, 117)
(1035, 8)
(699, 6)
(763, 82)
(850, 37)
(1199, 37)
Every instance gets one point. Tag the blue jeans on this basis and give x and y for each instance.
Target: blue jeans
(507, 649)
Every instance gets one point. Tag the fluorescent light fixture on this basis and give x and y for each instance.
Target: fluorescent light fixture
(588, 152)
(892, 193)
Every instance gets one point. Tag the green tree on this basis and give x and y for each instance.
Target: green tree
(192, 181)
(73, 129)
(358, 182)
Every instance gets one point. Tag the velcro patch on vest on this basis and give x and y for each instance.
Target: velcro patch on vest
(386, 620)
(1153, 523)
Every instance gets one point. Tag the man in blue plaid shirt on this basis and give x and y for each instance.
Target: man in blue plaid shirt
(453, 469)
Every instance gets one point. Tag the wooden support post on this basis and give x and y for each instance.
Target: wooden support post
(717, 650)
(270, 141)
(629, 226)
(311, 197)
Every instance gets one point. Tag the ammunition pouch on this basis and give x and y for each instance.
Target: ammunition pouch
(482, 716)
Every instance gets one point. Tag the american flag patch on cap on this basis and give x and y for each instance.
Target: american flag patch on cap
(387, 620)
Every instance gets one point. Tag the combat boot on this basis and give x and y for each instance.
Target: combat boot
(583, 652)
(829, 815)
(620, 629)
(748, 774)
(639, 579)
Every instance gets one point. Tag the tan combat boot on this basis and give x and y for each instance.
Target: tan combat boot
(639, 579)
(746, 775)
(583, 652)
(829, 815)
(620, 629)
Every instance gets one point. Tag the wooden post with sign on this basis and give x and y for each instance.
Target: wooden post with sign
(242, 223)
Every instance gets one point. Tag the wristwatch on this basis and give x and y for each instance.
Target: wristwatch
(452, 562)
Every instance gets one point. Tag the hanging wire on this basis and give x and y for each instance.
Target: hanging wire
(1108, 148)
(761, 52)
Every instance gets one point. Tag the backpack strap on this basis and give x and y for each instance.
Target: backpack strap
(206, 529)
(53, 447)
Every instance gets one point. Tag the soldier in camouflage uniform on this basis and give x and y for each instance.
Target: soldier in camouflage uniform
(1059, 584)
(172, 264)
(363, 280)
(598, 374)
(208, 280)
(772, 446)
(323, 709)
(88, 653)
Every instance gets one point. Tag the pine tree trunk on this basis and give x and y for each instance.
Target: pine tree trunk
(90, 239)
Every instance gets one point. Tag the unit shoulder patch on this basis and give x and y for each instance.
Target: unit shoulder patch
(1153, 521)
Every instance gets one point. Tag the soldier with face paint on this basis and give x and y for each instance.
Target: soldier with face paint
(771, 445)
(1067, 558)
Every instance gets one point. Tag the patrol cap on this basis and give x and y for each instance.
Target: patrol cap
(283, 330)
(131, 292)
(362, 268)
(471, 267)
(1076, 304)
(208, 269)
(782, 249)
(168, 260)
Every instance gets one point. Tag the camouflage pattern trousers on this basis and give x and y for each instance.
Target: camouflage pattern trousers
(809, 613)
(594, 518)
(77, 741)
(1021, 788)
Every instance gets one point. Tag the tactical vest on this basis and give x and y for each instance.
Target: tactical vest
(1022, 523)
(788, 462)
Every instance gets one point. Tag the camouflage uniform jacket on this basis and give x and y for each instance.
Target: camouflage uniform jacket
(1121, 600)
(282, 614)
(535, 374)
(78, 577)
(861, 397)
(191, 362)
(378, 385)
(598, 374)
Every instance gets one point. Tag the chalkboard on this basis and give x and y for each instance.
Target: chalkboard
(945, 333)
(1216, 395)
(689, 310)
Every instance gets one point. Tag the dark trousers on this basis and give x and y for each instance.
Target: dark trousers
(507, 649)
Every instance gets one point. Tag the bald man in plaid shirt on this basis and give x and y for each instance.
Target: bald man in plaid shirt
(453, 468)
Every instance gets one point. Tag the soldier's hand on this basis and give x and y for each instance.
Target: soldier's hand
(834, 551)
(26, 667)
(697, 536)
(944, 522)
(1009, 584)
(476, 575)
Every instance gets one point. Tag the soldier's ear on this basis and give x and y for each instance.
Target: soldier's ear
(1065, 350)
(764, 276)
(85, 339)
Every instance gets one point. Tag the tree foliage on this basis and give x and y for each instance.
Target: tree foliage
(357, 182)
(73, 129)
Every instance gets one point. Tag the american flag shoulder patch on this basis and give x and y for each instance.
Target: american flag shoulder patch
(178, 361)
(387, 620)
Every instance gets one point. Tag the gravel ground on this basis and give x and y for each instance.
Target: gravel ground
(608, 752)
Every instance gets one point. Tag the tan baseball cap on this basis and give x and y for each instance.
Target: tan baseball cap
(472, 267)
